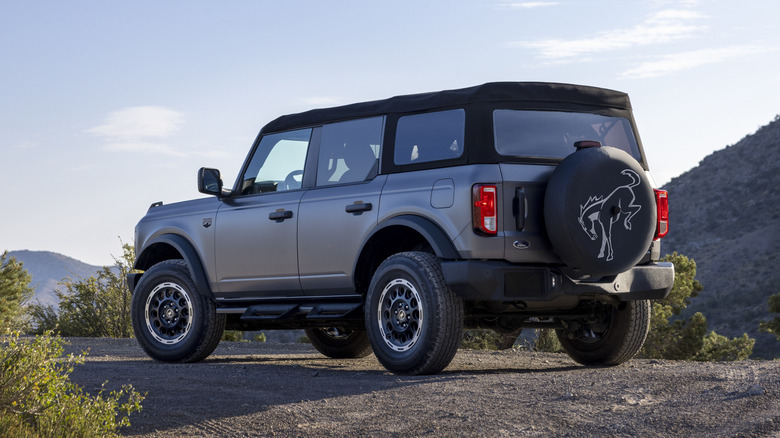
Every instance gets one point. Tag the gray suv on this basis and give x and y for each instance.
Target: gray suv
(389, 226)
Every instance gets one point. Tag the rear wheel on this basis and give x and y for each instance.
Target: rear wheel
(173, 321)
(414, 321)
(338, 343)
(609, 336)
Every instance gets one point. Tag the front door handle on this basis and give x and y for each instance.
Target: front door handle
(359, 207)
(280, 215)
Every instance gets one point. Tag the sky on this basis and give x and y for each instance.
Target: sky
(108, 106)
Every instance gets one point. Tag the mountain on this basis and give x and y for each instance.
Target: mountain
(725, 214)
(48, 269)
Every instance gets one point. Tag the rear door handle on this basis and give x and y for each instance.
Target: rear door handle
(359, 207)
(280, 215)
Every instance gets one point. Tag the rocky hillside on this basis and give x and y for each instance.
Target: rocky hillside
(725, 214)
(48, 269)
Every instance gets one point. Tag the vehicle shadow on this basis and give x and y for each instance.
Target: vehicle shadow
(246, 381)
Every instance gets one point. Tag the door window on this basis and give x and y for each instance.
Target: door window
(349, 151)
(277, 164)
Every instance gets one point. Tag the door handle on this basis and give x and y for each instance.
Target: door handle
(358, 208)
(280, 215)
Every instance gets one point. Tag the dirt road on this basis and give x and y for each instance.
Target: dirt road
(264, 389)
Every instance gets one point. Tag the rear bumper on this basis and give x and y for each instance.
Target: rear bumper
(491, 280)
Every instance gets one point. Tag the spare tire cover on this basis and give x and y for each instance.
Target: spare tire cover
(600, 212)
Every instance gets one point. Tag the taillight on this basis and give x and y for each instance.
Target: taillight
(485, 211)
(662, 205)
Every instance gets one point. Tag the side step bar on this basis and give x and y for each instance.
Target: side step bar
(303, 311)
(344, 311)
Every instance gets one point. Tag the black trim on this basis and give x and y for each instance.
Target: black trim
(188, 253)
(438, 239)
(494, 280)
(531, 94)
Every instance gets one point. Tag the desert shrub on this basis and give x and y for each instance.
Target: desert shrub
(548, 342)
(481, 340)
(233, 335)
(772, 326)
(716, 347)
(678, 339)
(15, 290)
(37, 397)
(98, 306)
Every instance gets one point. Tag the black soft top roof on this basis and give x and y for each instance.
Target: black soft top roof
(530, 95)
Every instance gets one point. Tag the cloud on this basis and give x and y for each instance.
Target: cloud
(134, 129)
(139, 122)
(687, 60)
(662, 27)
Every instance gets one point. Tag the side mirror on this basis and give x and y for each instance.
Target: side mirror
(209, 181)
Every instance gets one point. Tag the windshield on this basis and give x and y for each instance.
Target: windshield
(552, 134)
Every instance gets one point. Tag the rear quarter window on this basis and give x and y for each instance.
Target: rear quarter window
(429, 137)
(552, 134)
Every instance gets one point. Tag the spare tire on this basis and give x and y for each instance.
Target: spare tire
(600, 212)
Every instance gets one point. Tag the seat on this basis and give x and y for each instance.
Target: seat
(360, 160)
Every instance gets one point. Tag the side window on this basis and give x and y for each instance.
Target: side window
(277, 164)
(349, 151)
(429, 137)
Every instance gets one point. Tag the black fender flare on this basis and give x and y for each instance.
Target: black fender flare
(440, 242)
(188, 254)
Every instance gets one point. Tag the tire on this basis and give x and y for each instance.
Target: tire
(337, 343)
(414, 321)
(599, 211)
(172, 320)
(611, 337)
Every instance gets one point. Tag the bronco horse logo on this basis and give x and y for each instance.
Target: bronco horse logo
(605, 211)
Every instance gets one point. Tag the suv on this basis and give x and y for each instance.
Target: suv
(389, 226)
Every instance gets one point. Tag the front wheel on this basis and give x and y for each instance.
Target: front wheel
(609, 336)
(414, 321)
(338, 343)
(173, 321)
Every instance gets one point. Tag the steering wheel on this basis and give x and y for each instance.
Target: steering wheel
(291, 182)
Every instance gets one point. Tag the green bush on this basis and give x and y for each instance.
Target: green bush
(688, 339)
(98, 306)
(38, 399)
(772, 326)
(548, 342)
(233, 335)
(481, 340)
(15, 290)
(720, 348)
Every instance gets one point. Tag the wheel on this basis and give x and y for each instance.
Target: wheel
(414, 321)
(172, 320)
(338, 343)
(609, 336)
(599, 211)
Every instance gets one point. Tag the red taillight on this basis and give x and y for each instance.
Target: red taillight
(485, 212)
(662, 205)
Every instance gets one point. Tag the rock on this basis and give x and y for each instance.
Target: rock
(755, 390)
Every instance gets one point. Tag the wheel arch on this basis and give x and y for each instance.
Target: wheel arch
(398, 234)
(171, 247)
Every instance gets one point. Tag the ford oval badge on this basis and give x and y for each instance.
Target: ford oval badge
(521, 244)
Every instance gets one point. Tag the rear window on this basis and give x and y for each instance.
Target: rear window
(552, 134)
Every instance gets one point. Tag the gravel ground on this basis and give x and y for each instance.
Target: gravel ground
(275, 389)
